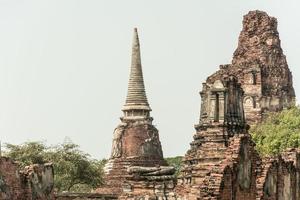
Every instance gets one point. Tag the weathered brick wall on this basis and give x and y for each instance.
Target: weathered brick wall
(142, 140)
(244, 168)
(35, 182)
(226, 186)
(84, 196)
(135, 143)
(293, 155)
(252, 84)
(261, 68)
(259, 41)
(41, 181)
(13, 185)
(266, 181)
(286, 181)
(235, 177)
(277, 177)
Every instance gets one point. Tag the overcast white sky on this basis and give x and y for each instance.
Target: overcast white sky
(64, 64)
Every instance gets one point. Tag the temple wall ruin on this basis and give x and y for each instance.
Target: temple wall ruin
(34, 182)
(13, 185)
(221, 163)
(84, 196)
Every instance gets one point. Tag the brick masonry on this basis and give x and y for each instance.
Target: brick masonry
(35, 182)
(222, 163)
(261, 68)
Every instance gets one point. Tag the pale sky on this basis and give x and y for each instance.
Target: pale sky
(64, 64)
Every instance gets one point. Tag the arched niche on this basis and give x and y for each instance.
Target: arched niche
(249, 102)
(218, 84)
(244, 167)
(270, 185)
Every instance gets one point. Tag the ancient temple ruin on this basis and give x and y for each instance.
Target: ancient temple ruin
(261, 68)
(136, 166)
(34, 182)
(222, 163)
(222, 147)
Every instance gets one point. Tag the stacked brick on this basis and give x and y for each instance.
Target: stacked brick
(261, 68)
(222, 163)
(136, 167)
(222, 159)
(278, 179)
(34, 182)
(259, 42)
(85, 196)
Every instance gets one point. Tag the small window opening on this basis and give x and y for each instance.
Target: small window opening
(254, 78)
(216, 117)
(254, 102)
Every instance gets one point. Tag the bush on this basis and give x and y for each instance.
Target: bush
(74, 170)
(278, 132)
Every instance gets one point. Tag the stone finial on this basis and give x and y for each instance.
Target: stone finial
(136, 96)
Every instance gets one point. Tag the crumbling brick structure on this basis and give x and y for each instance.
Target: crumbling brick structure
(85, 196)
(261, 68)
(278, 177)
(222, 163)
(136, 167)
(35, 182)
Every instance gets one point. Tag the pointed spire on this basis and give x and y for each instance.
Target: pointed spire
(136, 95)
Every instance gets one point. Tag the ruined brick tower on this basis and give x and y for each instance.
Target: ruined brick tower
(221, 137)
(136, 153)
(136, 138)
(222, 163)
(261, 68)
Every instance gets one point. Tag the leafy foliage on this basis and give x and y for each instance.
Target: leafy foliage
(27, 153)
(278, 132)
(175, 162)
(74, 170)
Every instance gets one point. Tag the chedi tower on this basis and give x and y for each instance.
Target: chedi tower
(136, 138)
(136, 157)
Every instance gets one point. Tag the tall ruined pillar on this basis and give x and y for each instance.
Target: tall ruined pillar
(136, 157)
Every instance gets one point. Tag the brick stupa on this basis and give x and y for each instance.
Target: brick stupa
(136, 158)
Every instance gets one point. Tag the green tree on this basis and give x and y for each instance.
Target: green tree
(27, 153)
(176, 162)
(74, 167)
(278, 132)
(74, 170)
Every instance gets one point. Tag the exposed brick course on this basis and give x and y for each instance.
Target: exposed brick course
(222, 163)
(136, 167)
(35, 182)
